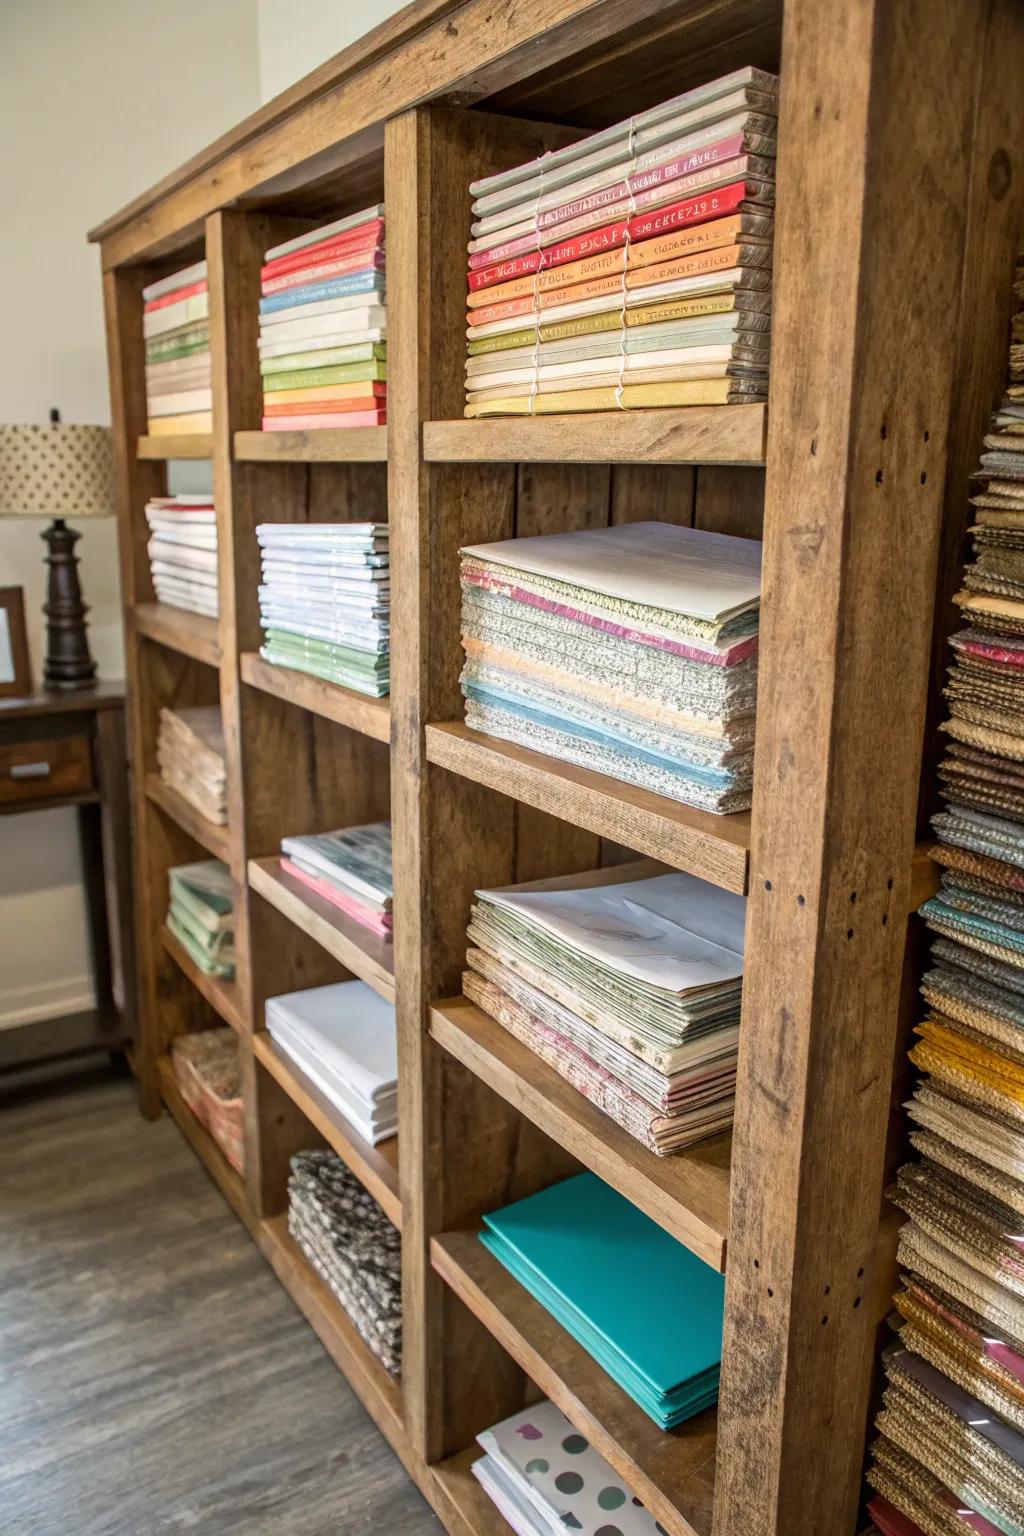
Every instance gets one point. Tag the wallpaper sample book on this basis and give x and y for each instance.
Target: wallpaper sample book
(176, 327)
(632, 268)
(207, 1072)
(190, 756)
(545, 1478)
(580, 1249)
(629, 987)
(182, 552)
(201, 915)
(342, 1037)
(950, 1457)
(352, 1246)
(629, 650)
(350, 868)
(323, 327)
(325, 601)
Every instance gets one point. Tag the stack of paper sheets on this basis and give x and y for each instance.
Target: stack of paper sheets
(629, 988)
(351, 869)
(632, 268)
(582, 1250)
(631, 650)
(190, 756)
(201, 915)
(352, 1246)
(182, 552)
(323, 327)
(545, 1478)
(343, 1038)
(325, 601)
(176, 325)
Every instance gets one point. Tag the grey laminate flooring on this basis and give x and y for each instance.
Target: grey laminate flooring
(154, 1377)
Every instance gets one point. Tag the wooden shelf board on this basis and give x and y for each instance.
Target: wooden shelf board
(228, 1180)
(215, 839)
(687, 1194)
(465, 1499)
(714, 847)
(330, 445)
(673, 1473)
(698, 434)
(358, 711)
(365, 954)
(222, 996)
(376, 1168)
(190, 634)
(194, 445)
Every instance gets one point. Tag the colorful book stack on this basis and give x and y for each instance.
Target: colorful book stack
(632, 268)
(325, 601)
(208, 1075)
(665, 1353)
(630, 650)
(627, 984)
(190, 756)
(352, 1246)
(950, 1457)
(182, 552)
(201, 915)
(351, 869)
(545, 1479)
(176, 326)
(323, 327)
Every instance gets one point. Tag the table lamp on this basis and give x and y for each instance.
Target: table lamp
(54, 471)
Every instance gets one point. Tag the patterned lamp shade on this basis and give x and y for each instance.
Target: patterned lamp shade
(48, 469)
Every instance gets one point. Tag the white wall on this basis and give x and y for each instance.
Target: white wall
(295, 38)
(98, 99)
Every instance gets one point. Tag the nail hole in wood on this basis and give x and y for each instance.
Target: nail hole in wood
(860, 1272)
(770, 1291)
(856, 1303)
(757, 1263)
(849, 933)
(767, 885)
(800, 901)
(814, 446)
(828, 1290)
(853, 898)
(885, 919)
(927, 435)
(824, 1320)
(924, 476)
(878, 477)
(888, 884)
(885, 431)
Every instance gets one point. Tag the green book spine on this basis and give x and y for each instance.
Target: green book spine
(316, 378)
(330, 357)
(156, 354)
(500, 343)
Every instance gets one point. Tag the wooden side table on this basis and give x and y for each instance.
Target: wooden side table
(68, 749)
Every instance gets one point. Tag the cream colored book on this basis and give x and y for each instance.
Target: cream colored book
(633, 397)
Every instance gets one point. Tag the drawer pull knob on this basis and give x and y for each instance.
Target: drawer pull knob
(30, 771)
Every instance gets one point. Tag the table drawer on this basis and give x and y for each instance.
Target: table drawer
(40, 770)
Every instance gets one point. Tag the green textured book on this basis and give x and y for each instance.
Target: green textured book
(317, 378)
(330, 357)
(362, 671)
(204, 891)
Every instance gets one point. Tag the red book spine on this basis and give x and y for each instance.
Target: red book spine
(640, 181)
(358, 262)
(363, 238)
(179, 293)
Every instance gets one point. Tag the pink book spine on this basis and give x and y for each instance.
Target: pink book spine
(376, 922)
(332, 419)
(642, 181)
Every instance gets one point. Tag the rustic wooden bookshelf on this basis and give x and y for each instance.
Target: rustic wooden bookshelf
(888, 346)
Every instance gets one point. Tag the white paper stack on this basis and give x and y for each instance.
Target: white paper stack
(343, 1038)
(183, 552)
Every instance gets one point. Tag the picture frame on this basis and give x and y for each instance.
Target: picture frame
(15, 673)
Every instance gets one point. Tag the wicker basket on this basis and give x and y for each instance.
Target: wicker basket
(207, 1073)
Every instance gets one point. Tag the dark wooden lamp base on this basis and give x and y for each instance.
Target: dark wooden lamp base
(68, 665)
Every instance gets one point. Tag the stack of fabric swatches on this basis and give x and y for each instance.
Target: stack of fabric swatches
(323, 327)
(629, 988)
(351, 869)
(545, 1479)
(325, 601)
(632, 268)
(208, 1075)
(190, 756)
(176, 326)
(586, 1254)
(950, 1457)
(201, 915)
(352, 1246)
(182, 552)
(343, 1038)
(631, 650)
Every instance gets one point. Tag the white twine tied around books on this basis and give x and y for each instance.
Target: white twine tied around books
(630, 214)
(535, 379)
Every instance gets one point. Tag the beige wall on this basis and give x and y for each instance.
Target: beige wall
(295, 38)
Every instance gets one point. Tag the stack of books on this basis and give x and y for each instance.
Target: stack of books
(201, 915)
(182, 552)
(627, 984)
(351, 869)
(630, 650)
(352, 1246)
(342, 1037)
(581, 1250)
(208, 1075)
(176, 326)
(325, 601)
(323, 327)
(632, 268)
(950, 1455)
(190, 756)
(544, 1478)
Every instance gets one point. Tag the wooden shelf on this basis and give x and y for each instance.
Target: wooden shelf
(215, 839)
(196, 445)
(365, 954)
(358, 711)
(687, 1194)
(221, 995)
(376, 1167)
(673, 1473)
(330, 445)
(462, 1494)
(717, 434)
(190, 634)
(227, 1179)
(714, 847)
